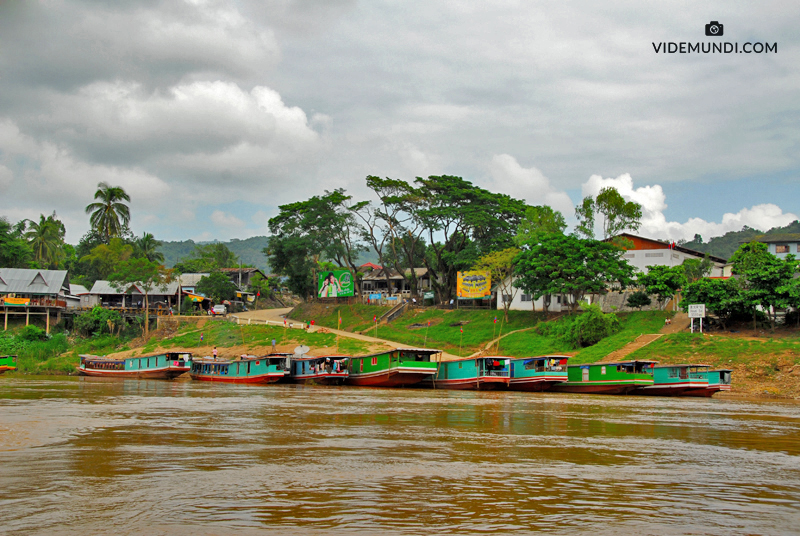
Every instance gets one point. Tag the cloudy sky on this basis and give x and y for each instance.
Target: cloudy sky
(212, 113)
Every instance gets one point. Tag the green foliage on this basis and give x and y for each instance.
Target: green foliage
(694, 269)
(97, 321)
(147, 247)
(720, 296)
(217, 286)
(580, 331)
(617, 214)
(500, 265)
(109, 215)
(207, 258)
(15, 252)
(639, 299)
(248, 251)
(47, 240)
(539, 221)
(187, 306)
(562, 264)
(662, 281)
(723, 246)
(105, 259)
(32, 333)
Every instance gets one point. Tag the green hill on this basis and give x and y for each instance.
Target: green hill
(724, 246)
(249, 251)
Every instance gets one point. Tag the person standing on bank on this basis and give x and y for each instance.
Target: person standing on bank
(215, 352)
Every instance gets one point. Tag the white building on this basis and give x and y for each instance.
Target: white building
(521, 301)
(648, 252)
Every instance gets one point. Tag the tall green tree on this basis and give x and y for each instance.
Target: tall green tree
(761, 277)
(695, 269)
(539, 221)
(46, 237)
(720, 296)
(145, 274)
(568, 265)
(15, 251)
(500, 265)
(462, 222)
(217, 286)
(663, 282)
(322, 228)
(616, 214)
(105, 259)
(109, 215)
(147, 246)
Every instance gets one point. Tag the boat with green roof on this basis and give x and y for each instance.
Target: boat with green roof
(393, 368)
(607, 378)
(8, 363)
(482, 374)
(538, 373)
(675, 380)
(718, 380)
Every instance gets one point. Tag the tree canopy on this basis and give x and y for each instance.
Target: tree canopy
(110, 216)
(617, 214)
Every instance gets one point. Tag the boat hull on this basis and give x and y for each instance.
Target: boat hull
(270, 377)
(5, 368)
(707, 392)
(536, 383)
(672, 389)
(621, 388)
(395, 377)
(165, 373)
(484, 383)
(323, 378)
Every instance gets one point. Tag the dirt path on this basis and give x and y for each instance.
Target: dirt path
(641, 340)
(680, 322)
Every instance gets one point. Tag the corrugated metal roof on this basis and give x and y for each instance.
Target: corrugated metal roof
(190, 280)
(28, 281)
(105, 288)
(77, 290)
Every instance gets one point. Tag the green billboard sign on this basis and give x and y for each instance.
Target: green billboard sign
(335, 284)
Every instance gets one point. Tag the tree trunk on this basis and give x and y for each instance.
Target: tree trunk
(146, 317)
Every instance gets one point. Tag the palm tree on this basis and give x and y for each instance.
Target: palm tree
(47, 240)
(110, 216)
(147, 246)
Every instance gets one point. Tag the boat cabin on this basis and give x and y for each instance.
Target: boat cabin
(316, 365)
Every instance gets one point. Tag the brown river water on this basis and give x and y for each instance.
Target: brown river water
(96, 456)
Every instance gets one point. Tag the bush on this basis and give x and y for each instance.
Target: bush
(639, 299)
(97, 321)
(32, 333)
(591, 327)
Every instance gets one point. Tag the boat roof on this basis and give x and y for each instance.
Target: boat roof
(721, 370)
(208, 359)
(633, 362)
(417, 350)
(684, 365)
(312, 357)
(554, 356)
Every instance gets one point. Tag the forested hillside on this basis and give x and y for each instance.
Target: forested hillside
(725, 245)
(249, 251)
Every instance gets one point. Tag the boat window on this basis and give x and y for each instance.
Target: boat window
(460, 364)
(375, 360)
(603, 370)
(673, 372)
(684, 373)
(585, 375)
(725, 377)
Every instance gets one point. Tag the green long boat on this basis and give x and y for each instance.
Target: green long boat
(718, 380)
(397, 367)
(607, 378)
(8, 362)
(482, 374)
(676, 380)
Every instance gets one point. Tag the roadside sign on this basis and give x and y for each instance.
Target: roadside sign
(697, 310)
(427, 296)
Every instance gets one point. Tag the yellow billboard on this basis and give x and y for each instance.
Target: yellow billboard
(473, 285)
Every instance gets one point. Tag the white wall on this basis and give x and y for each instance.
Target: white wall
(642, 258)
(520, 304)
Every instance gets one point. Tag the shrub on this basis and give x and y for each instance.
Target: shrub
(639, 299)
(32, 333)
(97, 321)
(591, 327)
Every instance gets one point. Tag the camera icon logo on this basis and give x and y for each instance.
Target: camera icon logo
(714, 29)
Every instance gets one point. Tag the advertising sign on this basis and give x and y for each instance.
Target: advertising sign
(697, 310)
(427, 296)
(335, 284)
(473, 285)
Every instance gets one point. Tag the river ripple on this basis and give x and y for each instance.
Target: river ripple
(94, 456)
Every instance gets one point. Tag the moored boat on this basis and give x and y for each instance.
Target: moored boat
(675, 380)
(718, 380)
(322, 370)
(538, 373)
(247, 369)
(607, 378)
(8, 362)
(397, 367)
(483, 373)
(157, 367)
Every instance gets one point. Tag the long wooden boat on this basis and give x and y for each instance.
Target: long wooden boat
(675, 380)
(718, 380)
(607, 378)
(322, 370)
(159, 366)
(397, 367)
(247, 369)
(483, 373)
(538, 373)
(8, 362)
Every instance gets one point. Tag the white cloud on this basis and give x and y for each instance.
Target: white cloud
(218, 217)
(529, 184)
(654, 222)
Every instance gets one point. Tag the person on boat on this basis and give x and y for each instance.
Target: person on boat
(330, 287)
